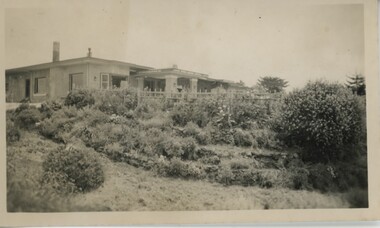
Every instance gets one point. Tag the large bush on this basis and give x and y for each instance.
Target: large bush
(118, 102)
(26, 116)
(72, 170)
(324, 119)
(59, 124)
(247, 114)
(79, 98)
(13, 133)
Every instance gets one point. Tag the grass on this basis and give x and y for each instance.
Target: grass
(127, 188)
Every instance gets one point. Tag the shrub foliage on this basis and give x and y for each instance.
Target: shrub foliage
(323, 118)
(79, 98)
(72, 170)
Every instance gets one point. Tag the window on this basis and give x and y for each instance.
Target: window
(116, 81)
(76, 81)
(6, 87)
(104, 81)
(40, 85)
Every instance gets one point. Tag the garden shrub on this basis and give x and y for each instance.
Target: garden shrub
(299, 178)
(247, 113)
(203, 138)
(266, 138)
(79, 98)
(26, 117)
(55, 127)
(201, 135)
(340, 176)
(181, 113)
(159, 121)
(48, 108)
(24, 196)
(242, 138)
(92, 117)
(13, 133)
(246, 177)
(191, 129)
(357, 197)
(205, 110)
(213, 160)
(115, 151)
(95, 137)
(323, 177)
(118, 102)
(351, 175)
(225, 175)
(189, 148)
(323, 118)
(169, 147)
(149, 108)
(178, 168)
(73, 170)
(239, 163)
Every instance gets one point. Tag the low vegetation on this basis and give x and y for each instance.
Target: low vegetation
(312, 141)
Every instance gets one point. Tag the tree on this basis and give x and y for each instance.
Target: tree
(273, 84)
(357, 84)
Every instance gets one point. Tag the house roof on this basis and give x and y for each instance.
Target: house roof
(76, 61)
(160, 73)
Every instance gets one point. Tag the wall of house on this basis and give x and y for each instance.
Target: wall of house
(59, 80)
(95, 70)
(17, 86)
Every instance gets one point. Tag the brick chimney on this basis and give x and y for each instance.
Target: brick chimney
(55, 51)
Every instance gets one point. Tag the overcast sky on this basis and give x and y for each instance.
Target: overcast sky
(228, 39)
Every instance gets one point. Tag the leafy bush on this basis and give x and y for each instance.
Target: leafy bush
(181, 113)
(266, 138)
(242, 138)
(189, 148)
(118, 102)
(177, 168)
(341, 176)
(200, 111)
(13, 133)
(323, 118)
(159, 121)
(24, 196)
(60, 123)
(358, 198)
(323, 177)
(203, 137)
(48, 108)
(72, 170)
(239, 163)
(114, 151)
(246, 113)
(149, 108)
(26, 116)
(299, 178)
(79, 98)
(169, 147)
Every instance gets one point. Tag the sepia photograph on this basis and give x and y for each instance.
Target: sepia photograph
(187, 106)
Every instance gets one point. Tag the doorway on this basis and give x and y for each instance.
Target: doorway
(27, 88)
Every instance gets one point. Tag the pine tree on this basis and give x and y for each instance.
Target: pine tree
(357, 84)
(273, 84)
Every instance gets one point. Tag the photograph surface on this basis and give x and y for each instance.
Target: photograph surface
(171, 105)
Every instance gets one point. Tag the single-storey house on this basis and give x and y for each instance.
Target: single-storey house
(56, 79)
